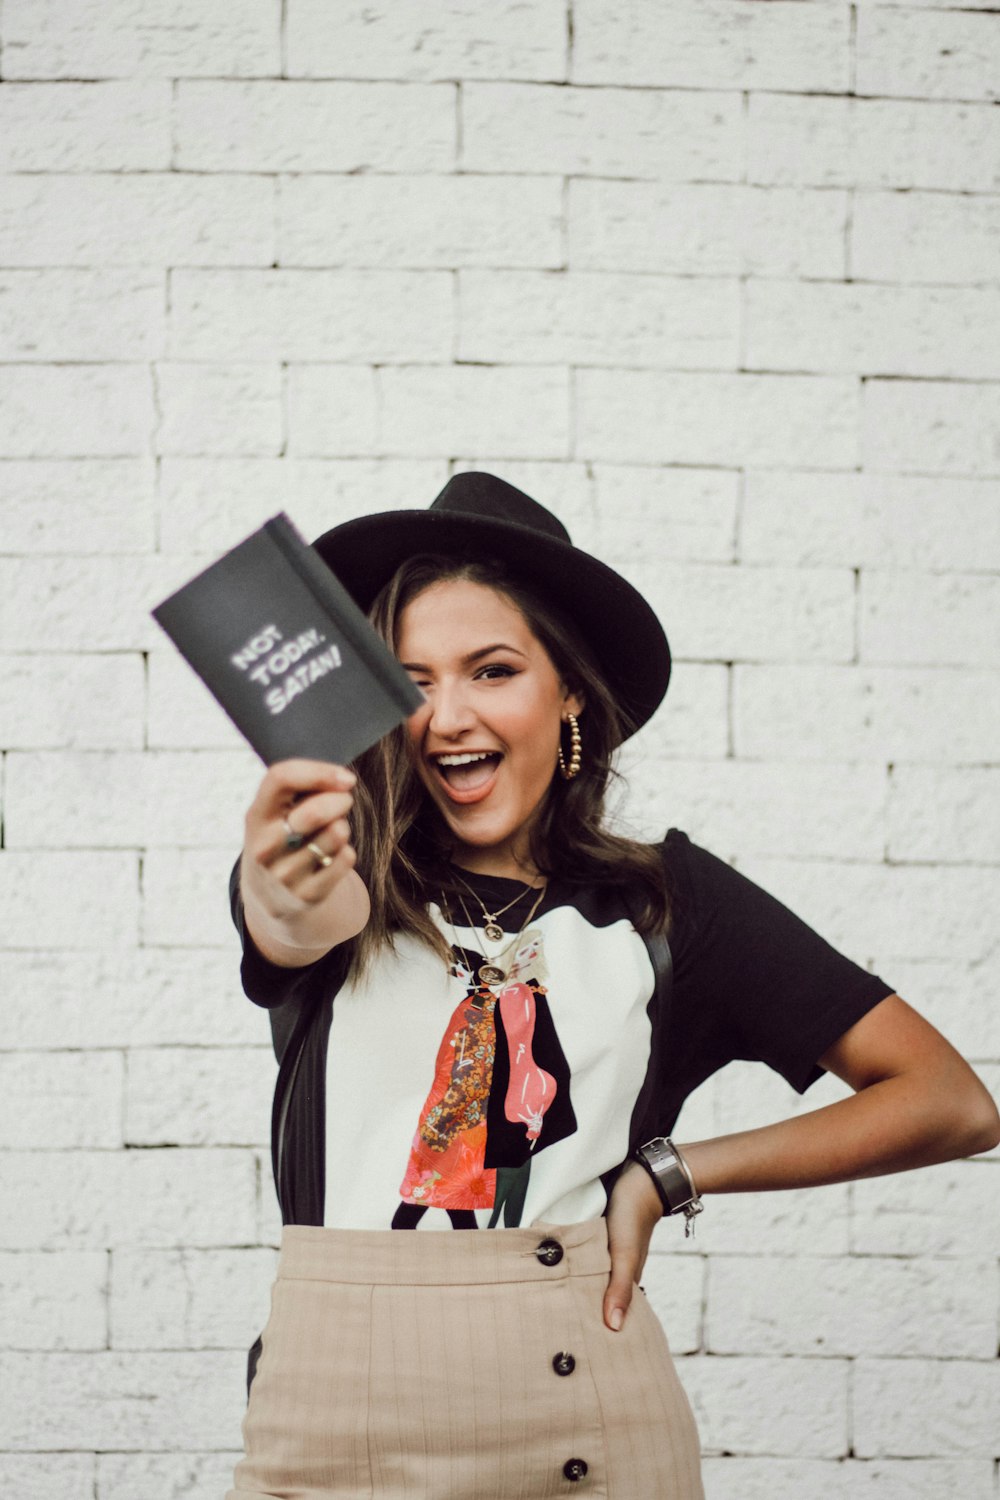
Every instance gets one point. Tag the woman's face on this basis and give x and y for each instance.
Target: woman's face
(487, 739)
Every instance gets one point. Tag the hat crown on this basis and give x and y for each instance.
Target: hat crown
(486, 496)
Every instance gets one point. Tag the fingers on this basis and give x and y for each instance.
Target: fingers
(625, 1270)
(288, 780)
(325, 813)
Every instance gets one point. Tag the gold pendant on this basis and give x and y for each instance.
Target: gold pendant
(490, 974)
(493, 931)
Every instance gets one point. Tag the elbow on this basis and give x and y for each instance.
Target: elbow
(978, 1121)
(987, 1136)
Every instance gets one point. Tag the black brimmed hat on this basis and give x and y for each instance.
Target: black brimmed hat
(478, 517)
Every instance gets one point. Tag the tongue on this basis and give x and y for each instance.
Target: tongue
(468, 778)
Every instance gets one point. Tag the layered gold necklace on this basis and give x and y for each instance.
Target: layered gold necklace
(491, 973)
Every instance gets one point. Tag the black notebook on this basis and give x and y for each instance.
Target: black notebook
(287, 652)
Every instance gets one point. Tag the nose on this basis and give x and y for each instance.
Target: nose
(451, 713)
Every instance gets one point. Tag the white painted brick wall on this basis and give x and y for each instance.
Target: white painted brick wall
(718, 282)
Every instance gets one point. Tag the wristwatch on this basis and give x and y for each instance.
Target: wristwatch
(672, 1177)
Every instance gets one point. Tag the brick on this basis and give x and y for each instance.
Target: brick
(189, 1299)
(81, 315)
(505, 413)
(882, 143)
(654, 416)
(945, 619)
(691, 513)
(694, 721)
(847, 1479)
(74, 411)
(235, 409)
(674, 1286)
(91, 506)
(347, 317)
(706, 230)
(875, 713)
(120, 39)
(948, 1210)
(925, 237)
(931, 427)
(597, 318)
(189, 998)
(121, 1401)
(54, 1301)
(743, 46)
(98, 899)
(460, 40)
(283, 125)
(605, 132)
(61, 1099)
(914, 911)
(102, 1199)
(70, 315)
(423, 221)
(85, 127)
(72, 702)
(857, 1306)
(809, 1222)
(128, 799)
(795, 1407)
(869, 520)
(207, 502)
(184, 896)
(39, 1476)
(166, 1476)
(136, 219)
(750, 614)
(917, 1408)
(735, 807)
(954, 998)
(333, 409)
(927, 54)
(187, 1096)
(874, 330)
(56, 604)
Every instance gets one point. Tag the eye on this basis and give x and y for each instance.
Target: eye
(495, 671)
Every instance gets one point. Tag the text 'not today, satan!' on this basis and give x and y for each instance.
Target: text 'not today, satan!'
(285, 667)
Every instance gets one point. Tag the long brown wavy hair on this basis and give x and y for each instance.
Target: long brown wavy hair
(404, 846)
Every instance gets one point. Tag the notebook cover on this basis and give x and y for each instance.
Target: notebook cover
(286, 651)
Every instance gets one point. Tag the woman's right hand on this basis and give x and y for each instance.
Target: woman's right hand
(297, 905)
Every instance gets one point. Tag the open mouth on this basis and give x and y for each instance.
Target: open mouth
(467, 772)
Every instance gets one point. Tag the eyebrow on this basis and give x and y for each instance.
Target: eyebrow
(470, 659)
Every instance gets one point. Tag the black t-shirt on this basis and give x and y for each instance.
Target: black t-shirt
(750, 981)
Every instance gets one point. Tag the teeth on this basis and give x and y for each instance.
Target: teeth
(462, 760)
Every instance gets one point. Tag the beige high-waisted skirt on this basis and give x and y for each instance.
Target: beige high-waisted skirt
(461, 1365)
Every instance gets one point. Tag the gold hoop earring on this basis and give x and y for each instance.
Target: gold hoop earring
(575, 750)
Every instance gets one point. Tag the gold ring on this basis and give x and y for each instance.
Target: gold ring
(320, 856)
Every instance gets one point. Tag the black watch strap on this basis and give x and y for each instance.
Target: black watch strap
(672, 1177)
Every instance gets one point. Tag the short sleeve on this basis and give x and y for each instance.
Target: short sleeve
(752, 979)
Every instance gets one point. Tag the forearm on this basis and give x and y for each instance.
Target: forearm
(890, 1126)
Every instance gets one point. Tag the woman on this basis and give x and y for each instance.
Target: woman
(522, 1002)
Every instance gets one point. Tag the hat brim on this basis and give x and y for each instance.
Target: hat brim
(620, 628)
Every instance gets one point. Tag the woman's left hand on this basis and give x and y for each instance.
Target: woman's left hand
(634, 1210)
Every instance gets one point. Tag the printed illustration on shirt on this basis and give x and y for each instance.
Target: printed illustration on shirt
(500, 1094)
